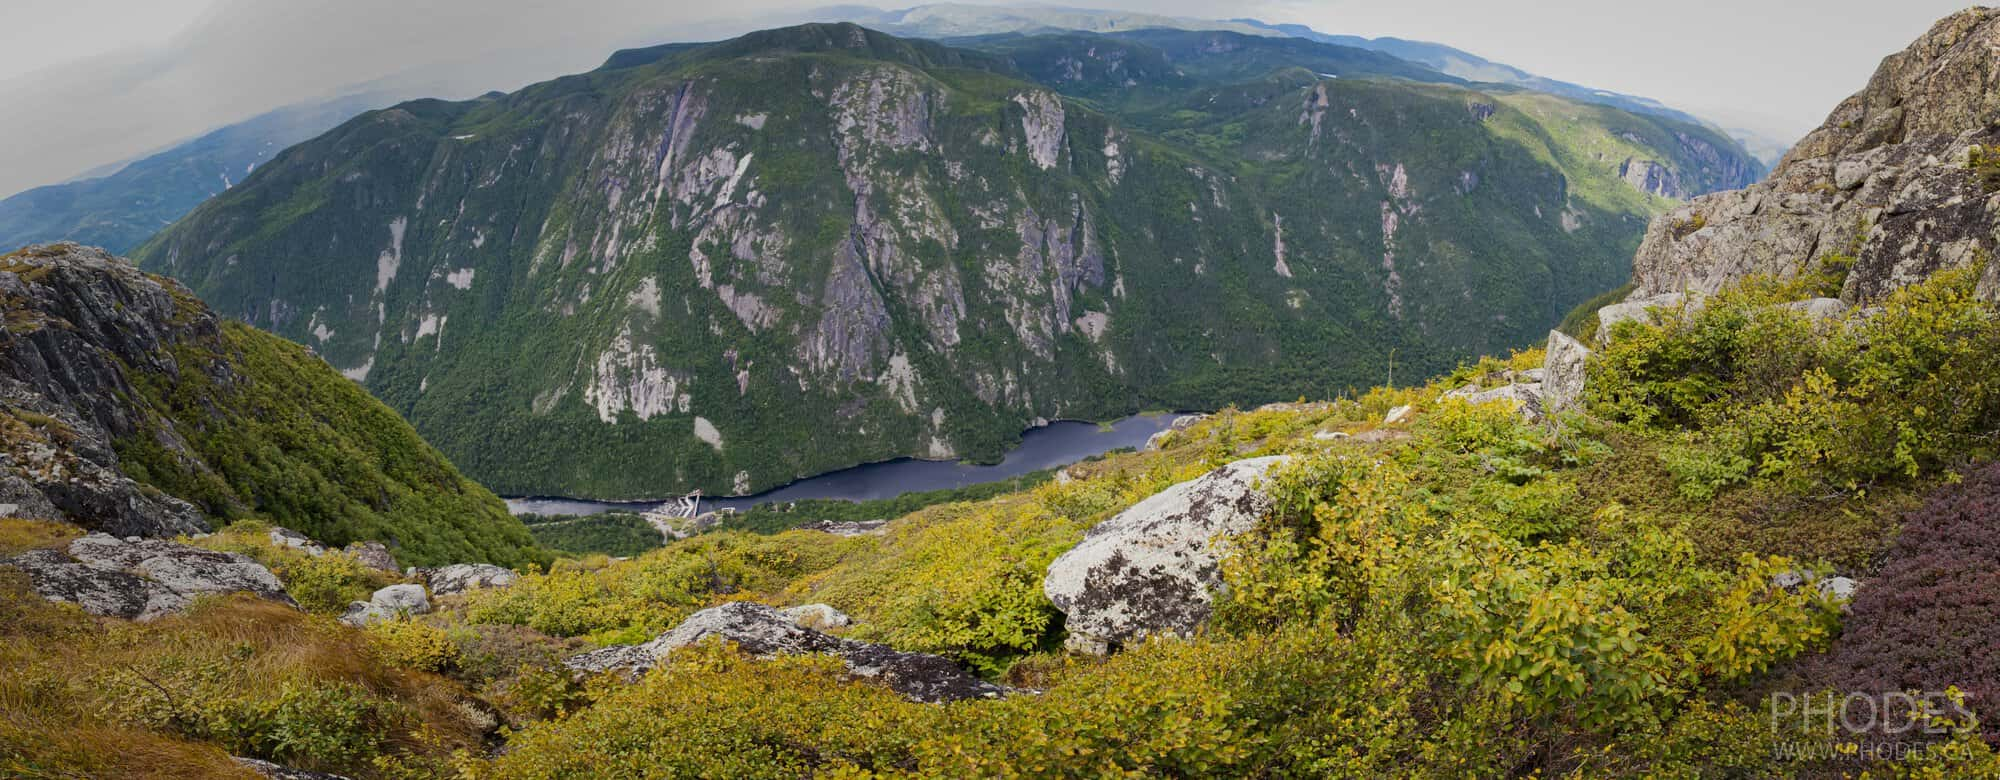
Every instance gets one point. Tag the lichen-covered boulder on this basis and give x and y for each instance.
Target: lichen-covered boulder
(763, 631)
(142, 579)
(461, 577)
(1153, 568)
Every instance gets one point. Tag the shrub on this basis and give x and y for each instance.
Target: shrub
(1931, 617)
(326, 583)
(414, 644)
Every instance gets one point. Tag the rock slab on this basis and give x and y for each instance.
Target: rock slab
(142, 579)
(1153, 568)
(763, 631)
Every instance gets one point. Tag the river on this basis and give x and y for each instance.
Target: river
(1056, 444)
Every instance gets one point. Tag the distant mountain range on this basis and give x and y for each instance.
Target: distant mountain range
(731, 265)
(126, 203)
(119, 205)
(945, 21)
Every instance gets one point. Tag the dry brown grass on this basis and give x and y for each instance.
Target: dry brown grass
(67, 699)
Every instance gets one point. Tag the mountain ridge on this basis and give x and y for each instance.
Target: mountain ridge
(821, 246)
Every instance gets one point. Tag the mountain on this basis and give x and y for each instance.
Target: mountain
(128, 407)
(729, 266)
(125, 205)
(948, 21)
(1898, 183)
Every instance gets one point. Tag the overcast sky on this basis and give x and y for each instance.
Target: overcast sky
(88, 82)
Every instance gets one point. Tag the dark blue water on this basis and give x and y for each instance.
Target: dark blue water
(1056, 444)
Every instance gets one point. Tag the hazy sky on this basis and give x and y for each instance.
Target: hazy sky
(88, 82)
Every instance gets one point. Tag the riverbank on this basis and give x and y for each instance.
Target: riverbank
(1057, 444)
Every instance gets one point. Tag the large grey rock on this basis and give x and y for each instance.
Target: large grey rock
(461, 577)
(763, 631)
(1181, 423)
(817, 616)
(1524, 399)
(1885, 181)
(1642, 310)
(286, 537)
(1153, 568)
(142, 579)
(1563, 373)
(374, 555)
(276, 772)
(388, 604)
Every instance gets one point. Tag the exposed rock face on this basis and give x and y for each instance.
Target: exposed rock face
(276, 772)
(1153, 568)
(1562, 378)
(77, 320)
(1638, 309)
(1181, 423)
(846, 527)
(386, 604)
(461, 577)
(711, 251)
(1887, 182)
(1525, 399)
(374, 555)
(286, 537)
(817, 616)
(763, 631)
(141, 579)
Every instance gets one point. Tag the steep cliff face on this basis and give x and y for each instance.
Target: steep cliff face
(126, 406)
(1902, 180)
(731, 266)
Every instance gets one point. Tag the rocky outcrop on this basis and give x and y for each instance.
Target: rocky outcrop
(1897, 184)
(1181, 423)
(1153, 568)
(1562, 379)
(388, 603)
(374, 555)
(458, 578)
(1641, 310)
(141, 579)
(77, 322)
(763, 631)
(817, 616)
(276, 772)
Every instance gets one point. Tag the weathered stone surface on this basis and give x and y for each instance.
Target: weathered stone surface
(763, 631)
(461, 577)
(1525, 400)
(817, 616)
(1399, 415)
(1641, 310)
(141, 579)
(286, 537)
(1181, 423)
(387, 604)
(78, 320)
(1152, 569)
(276, 772)
(1820, 309)
(846, 527)
(1563, 377)
(374, 555)
(1885, 183)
